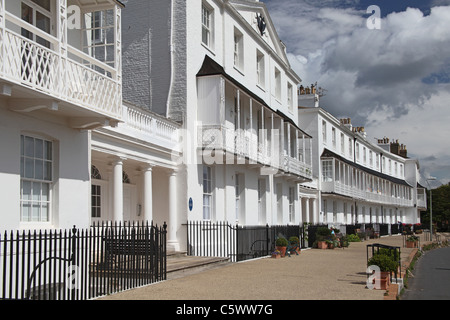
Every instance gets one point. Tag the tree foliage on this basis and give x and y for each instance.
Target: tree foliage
(441, 208)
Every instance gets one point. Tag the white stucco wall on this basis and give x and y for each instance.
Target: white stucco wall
(71, 171)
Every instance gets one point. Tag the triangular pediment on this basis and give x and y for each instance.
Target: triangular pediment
(250, 10)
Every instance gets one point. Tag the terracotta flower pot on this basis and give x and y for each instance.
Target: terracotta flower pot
(381, 283)
(282, 250)
(411, 244)
(322, 245)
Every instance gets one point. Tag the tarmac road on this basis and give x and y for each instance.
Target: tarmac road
(431, 277)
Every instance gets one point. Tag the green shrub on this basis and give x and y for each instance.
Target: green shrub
(294, 240)
(384, 262)
(353, 238)
(281, 242)
(412, 238)
(323, 231)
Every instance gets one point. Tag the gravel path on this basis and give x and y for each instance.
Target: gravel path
(315, 274)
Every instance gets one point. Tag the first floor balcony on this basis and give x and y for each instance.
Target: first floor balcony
(245, 147)
(41, 70)
(421, 198)
(234, 120)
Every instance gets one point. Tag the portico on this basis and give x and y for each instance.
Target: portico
(135, 180)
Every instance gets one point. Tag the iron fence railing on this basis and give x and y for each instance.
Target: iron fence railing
(239, 243)
(81, 264)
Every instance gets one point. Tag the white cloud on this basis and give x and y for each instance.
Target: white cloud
(394, 81)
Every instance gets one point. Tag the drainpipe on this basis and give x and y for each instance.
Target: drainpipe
(172, 50)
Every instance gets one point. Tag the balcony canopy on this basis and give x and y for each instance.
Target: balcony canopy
(212, 68)
(330, 154)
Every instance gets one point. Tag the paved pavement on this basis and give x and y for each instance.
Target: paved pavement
(430, 278)
(337, 274)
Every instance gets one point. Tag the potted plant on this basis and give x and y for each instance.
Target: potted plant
(276, 254)
(412, 241)
(281, 245)
(386, 264)
(322, 235)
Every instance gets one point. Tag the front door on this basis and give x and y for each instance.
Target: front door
(130, 206)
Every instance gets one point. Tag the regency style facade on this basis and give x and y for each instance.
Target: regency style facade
(358, 181)
(175, 111)
(74, 152)
(224, 74)
(56, 84)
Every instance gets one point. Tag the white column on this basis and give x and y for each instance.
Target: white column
(172, 224)
(314, 215)
(148, 193)
(308, 218)
(118, 190)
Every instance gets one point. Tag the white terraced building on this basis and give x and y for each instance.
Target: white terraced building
(209, 65)
(73, 152)
(358, 181)
(56, 84)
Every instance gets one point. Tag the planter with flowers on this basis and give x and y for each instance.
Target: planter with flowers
(322, 235)
(276, 254)
(281, 245)
(412, 242)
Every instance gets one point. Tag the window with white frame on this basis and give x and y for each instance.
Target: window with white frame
(96, 194)
(357, 151)
(333, 137)
(37, 13)
(291, 204)
(327, 170)
(324, 131)
(350, 147)
(207, 25)
(342, 143)
(207, 193)
(289, 97)
(100, 38)
(337, 171)
(238, 50)
(364, 155)
(277, 84)
(36, 179)
(260, 69)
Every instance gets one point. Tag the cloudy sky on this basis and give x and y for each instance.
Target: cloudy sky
(393, 80)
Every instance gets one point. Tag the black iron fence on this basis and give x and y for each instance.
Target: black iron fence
(239, 243)
(369, 230)
(81, 264)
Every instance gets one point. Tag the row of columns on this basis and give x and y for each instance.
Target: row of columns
(308, 210)
(117, 209)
